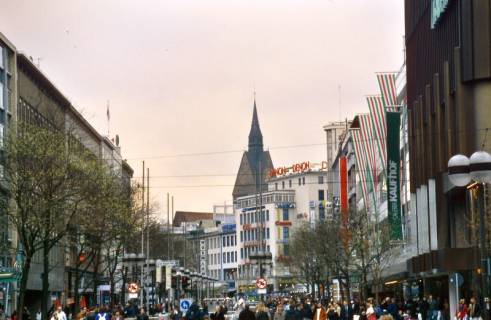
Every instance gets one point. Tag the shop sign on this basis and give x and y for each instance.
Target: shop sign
(283, 223)
(438, 7)
(394, 175)
(202, 259)
(297, 168)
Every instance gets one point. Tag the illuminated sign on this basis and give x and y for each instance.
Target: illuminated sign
(438, 7)
(283, 223)
(297, 168)
(133, 287)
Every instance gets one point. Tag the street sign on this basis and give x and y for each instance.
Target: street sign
(261, 283)
(184, 304)
(262, 291)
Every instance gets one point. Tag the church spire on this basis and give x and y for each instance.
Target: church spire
(255, 135)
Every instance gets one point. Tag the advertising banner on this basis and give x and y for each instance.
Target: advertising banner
(394, 175)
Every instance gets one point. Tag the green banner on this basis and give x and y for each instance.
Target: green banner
(394, 174)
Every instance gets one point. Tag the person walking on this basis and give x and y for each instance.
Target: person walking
(262, 313)
(143, 315)
(463, 311)
(247, 314)
(280, 312)
(475, 311)
(319, 312)
(346, 311)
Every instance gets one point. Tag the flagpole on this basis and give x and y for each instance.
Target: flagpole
(108, 119)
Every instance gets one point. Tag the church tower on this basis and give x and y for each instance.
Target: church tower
(255, 163)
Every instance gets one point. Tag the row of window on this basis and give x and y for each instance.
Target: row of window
(246, 252)
(301, 181)
(253, 217)
(253, 234)
(267, 198)
(226, 257)
(227, 241)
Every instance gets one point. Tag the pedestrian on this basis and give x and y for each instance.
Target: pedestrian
(370, 312)
(13, 316)
(39, 315)
(346, 311)
(103, 314)
(280, 312)
(218, 314)
(462, 312)
(143, 315)
(475, 310)
(392, 308)
(306, 312)
(247, 314)
(319, 312)
(262, 313)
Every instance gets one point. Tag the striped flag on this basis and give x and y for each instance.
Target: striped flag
(361, 163)
(387, 84)
(379, 125)
(368, 148)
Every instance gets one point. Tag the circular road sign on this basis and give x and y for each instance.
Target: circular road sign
(261, 283)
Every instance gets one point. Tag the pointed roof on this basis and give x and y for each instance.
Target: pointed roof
(255, 135)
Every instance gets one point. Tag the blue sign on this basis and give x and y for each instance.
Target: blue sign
(185, 304)
(229, 227)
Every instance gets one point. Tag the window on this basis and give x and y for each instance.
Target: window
(286, 250)
(228, 257)
(242, 253)
(285, 214)
(283, 184)
(286, 233)
(299, 181)
(228, 241)
(223, 241)
(289, 183)
(1, 96)
(276, 186)
(1, 58)
(321, 195)
(321, 179)
(267, 233)
(242, 236)
(241, 219)
(1, 136)
(303, 180)
(224, 258)
(267, 215)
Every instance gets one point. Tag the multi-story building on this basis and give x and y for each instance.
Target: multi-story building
(448, 93)
(27, 95)
(8, 92)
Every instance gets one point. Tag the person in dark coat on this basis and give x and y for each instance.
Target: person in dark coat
(218, 314)
(247, 314)
(346, 311)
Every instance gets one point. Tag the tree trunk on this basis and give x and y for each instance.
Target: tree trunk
(45, 281)
(23, 285)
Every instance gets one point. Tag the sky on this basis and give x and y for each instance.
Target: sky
(180, 77)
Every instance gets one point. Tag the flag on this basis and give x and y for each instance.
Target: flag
(360, 163)
(377, 117)
(387, 84)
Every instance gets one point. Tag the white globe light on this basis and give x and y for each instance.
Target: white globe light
(458, 170)
(480, 167)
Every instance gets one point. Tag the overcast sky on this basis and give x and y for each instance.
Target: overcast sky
(180, 76)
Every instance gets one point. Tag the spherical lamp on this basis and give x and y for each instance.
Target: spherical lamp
(458, 170)
(480, 166)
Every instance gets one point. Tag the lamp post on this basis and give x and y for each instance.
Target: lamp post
(461, 170)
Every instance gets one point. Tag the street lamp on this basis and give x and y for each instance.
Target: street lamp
(461, 170)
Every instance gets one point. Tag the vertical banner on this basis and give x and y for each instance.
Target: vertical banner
(168, 277)
(394, 175)
(343, 172)
(158, 274)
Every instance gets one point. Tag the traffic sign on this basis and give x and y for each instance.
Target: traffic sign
(261, 283)
(184, 304)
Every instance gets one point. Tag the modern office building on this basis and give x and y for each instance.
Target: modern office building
(27, 95)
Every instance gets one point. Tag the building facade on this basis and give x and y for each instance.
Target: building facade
(448, 92)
